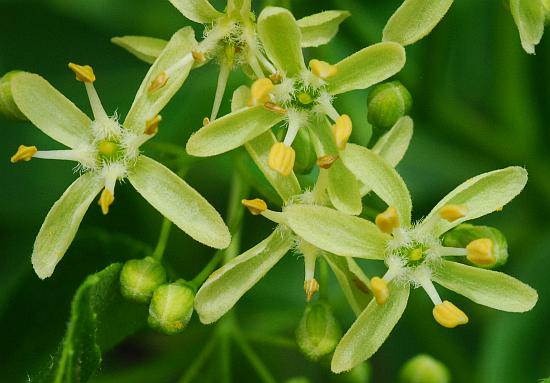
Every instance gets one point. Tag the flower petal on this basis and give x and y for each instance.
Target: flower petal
(370, 330)
(148, 104)
(480, 195)
(231, 131)
(179, 202)
(393, 145)
(367, 67)
(281, 38)
(50, 111)
(529, 16)
(199, 11)
(320, 28)
(62, 222)
(144, 48)
(382, 178)
(337, 232)
(486, 287)
(228, 284)
(414, 19)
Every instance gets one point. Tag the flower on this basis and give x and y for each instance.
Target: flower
(230, 38)
(414, 254)
(107, 151)
(530, 17)
(302, 99)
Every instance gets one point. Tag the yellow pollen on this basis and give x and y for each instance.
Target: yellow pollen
(322, 69)
(24, 153)
(311, 286)
(416, 254)
(107, 148)
(152, 125)
(105, 200)
(205, 121)
(387, 220)
(255, 206)
(326, 162)
(83, 73)
(448, 315)
(281, 158)
(260, 91)
(480, 252)
(379, 289)
(198, 56)
(342, 131)
(452, 212)
(158, 82)
(275, 108)
(276, 78)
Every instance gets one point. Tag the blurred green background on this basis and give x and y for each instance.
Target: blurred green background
(480, 103)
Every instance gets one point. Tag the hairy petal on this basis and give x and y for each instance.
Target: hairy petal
(529, 16)
(199, 11)
(320, 28)
(144, 48)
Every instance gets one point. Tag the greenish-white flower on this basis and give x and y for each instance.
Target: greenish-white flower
(231, 39)
(107, 151)
(530, 17)
(413, 253)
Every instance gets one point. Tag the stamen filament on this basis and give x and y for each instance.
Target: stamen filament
(95, 103)
(329, 109)
(265, 62)
(429, 287)
(256, 68)
(293, 128)
(223, 76)
(67, 155)
(452, 251)
(274, 216)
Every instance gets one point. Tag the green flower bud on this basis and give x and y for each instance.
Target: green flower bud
(305, 152)
(140, 277)
(424, 369)
(318, 332)
(358, 374)
(171, 307)
(8, 108)
(387, 103)
(464, 234)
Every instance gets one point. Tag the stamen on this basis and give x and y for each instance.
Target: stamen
(295, 120)
(255, 206)
(480, 252)
(205, 121)
(423, 277)
(260, 91)
(325, 162)
(24, 153)
(256, 68)
(84, 73)
(265, 62)
(322, 69)
(199, 57)
(448, 315)
(325, 106)
(452, 212)
(67, 155)
(388, 220)
(342, 131)
(500, 208)
(451, 251)
(106, 199)
(223, 76)
(158, 82)
(379, 289)
(281, 158)
(275, 108)
(311, 286)
(276, 78)
(152, 125)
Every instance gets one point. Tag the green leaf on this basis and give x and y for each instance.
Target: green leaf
(381, 177)
(281, 38)
(370, 330)
(144, 48)
(529, 16)
(62, 222)
(199, 11)
(480, 195)
(393, 145)
(337, 232)
(367, 67)
(179, 202)
(231, 131)
(486, 287)
(228, 284)
(176, 61)
(352, 280)
(49, 110)
(320, 28)
(415, 19)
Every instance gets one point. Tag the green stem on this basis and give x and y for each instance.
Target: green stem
(235, 213)
(323, 278)
(206, 271)
(253, 358)
(270, 340)
(225, 359)
(163, 239)
(195, 367)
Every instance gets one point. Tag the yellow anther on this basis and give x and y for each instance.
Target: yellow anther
(379, 289)
(311, 286)
(158, 82)
(452, 212)
(152, 125)
(500, 208)
(480, 252)
(255, 206)
(448, 315)
(205, 121)
(416, 254)
(24, 153)
(326, 162)
(105, 200)
(260, 90)
(342, 130)
(276, 78)
(198, 56)
(322, 69)
(388, 220)
(107, 148)
(281, 158)
(83, 73)
(275, 108)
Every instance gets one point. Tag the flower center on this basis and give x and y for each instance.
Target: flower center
(109, 151)
(304, 97)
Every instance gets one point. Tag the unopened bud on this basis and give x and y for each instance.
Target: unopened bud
(171, 307)
(358, 374)
(424, 369)
(305, 152)
(140, 277)
(318, 332)
(8, 107)
(387, 103)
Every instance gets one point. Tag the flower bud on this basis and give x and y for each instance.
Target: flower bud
(171, 307)
(318, 332)
(305, 152)
(8, 107)
(140, 277)
(424, 369)
(464, 234)
(358, 374)
(387, 103)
